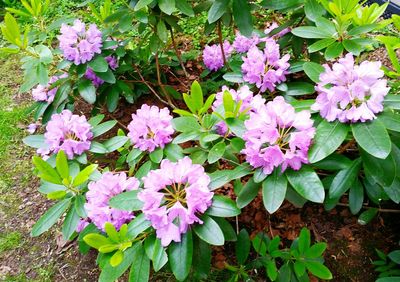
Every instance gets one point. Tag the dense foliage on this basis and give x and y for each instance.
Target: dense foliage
(303, 115)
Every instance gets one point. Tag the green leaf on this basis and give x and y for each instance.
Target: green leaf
(362, 29)
(62, 164)
(99, 64)
(307, 183)
(356, 197)
(318, 269)
(87, 91)
(259, 175)
(367, 216)
(158, 255)
(242, 16)
(209, 231)
(79, 203)
(352, 46)
(112, 99)
(233, 77)
(373, 138)
(333, 51)
(390, 120)
(217, 9)
(115, 143)
(157, 155)
(382, 171)
(296, 88)
(316, 250)
(110, 273)
(196, 95)
(310, 32)
(180, 256)
(392, 101)
(140, 269)
(103, 127)
(329, 136)
(216, 152)
(35, 141)
(395, 256)
(201, 259)
(333, 162)
(313, 10)
(274, 191)
(236, 125)
(162, 31)
(242, 246)
(219, 178)
(70, 223)
(320, 44)
(304, 240)
(126, 201)
(223, 207)
(96, 241)
(107, 76)
(184, 7)
(141, 4)
(344, 179)
(167, 6)
(186, 124)
(248, 193)
(117, 258)
(46, 172)
(173, 152)
(137, 226)
(50, 217)
(84, 175)
(227, 229)
(96, 147)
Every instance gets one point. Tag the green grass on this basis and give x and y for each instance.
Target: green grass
(10, 241)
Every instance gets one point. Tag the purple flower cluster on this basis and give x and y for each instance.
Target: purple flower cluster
(250, 103)
(67, 132)
(173, 196)
(150, 128)
(242, 44)
(91, 75)
(265, 69)
(78, 44)
(44, 93)
(278, 136)
(212, 55)
(351, 93)
(100, 192)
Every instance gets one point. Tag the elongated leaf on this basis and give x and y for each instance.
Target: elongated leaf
(84, 175)
(242, 16)
(46, 171)
(356, 197)
(110, 273)
(70, 223)
(35, 141)
(201, 259)
(248, 193)
(115, 143)
(137, 226)
(167, 6)
(87, 91)
(274, 191)
(310, 32)
(50, 217)
(242, 246)
(140, 269)
(209, 231)
(329, 136)
(127, 201)
(103, 127)
(216, 152)
(373, 138)
(180, 256)
(223, 207)
(344, 179)
(217, 9)
(307, 183)
(62, 164)
(318, 269)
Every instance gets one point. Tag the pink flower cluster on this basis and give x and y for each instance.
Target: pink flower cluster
(43, 93)
(173, 196)
(351, 93)
(242, 44)
(150, 128)
(101, 191)
(67, 132)
(78, 44)
(265, 69)
(278, 136)
(91, 75)
(212, 55)
(249, 102)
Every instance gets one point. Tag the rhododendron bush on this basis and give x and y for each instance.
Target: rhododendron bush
(298, 114)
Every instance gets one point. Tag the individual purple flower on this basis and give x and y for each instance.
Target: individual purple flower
(68, 132)
(101, 191)
(44, 93)
(212, 55)
(278, 136)
(32, 128)
(351, 93)
(249, 103)
(150, 128)
(265, 69)
(78, 44)
(273, 26)
(242, 44)
(91, 75)
(174, 196)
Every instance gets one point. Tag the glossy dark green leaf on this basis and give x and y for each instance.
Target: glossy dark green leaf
(223, 206)
(110, 273)
(334, 50)
(216, 152)
(274, 191)
(296, 88)
(217, 9)
(242, 246)
(248, 193)
(318, 269)
(321, 44)
(137, 226)
(87, 91)
(99, 64)
(103, 127)
(70, 223)
(310, 32)
(356, 197)
(307, 183)
(201, 259)
(373, 138)
(344, 179)
(367, 216)
(180, 256)
(382, 171)
(167, 6)
(313, 70)
(209, 231)
(242, 16)
(126, 201)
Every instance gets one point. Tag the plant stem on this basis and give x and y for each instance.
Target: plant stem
(220, 41)
(178, 54)
(366, 207)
